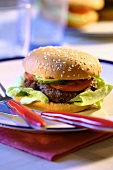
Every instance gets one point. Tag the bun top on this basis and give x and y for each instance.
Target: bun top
(92, 4)
(61, 63)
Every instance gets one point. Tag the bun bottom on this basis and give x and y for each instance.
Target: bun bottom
(79, 20)
(54, 106)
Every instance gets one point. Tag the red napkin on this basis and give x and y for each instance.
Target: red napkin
(50, 146)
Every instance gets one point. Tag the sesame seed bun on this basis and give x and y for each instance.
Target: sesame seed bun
(54, 106)
(61, 63)
(83, 12)
(78, 20)
(92, 4)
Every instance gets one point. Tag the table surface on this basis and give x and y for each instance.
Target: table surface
(99, 155)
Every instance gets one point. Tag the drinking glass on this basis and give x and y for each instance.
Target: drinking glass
(15, 23)
(49, 18)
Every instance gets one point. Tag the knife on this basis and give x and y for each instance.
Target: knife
(80, 120)
(33, 119)
(12, 120)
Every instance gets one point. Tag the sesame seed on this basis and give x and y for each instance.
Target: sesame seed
(58, 68)
(61, 65)
(45, 57)
(69, 68)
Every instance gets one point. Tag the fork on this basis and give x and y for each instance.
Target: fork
(80, 120)
(31, 118)
(3, 95)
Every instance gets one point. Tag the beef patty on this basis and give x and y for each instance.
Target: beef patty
(54, 94)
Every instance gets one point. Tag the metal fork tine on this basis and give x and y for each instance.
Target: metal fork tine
(3, 95)
(3, 89)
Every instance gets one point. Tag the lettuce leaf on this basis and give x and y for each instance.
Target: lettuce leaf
(89, 97)
(93, 97)
(28, 95)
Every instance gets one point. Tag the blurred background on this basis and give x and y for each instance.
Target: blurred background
(90, 27)
(91, 17)
(85, 12)
(49, 19)
(53, 22)
(29, 24)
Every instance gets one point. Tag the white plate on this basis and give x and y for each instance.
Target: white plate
(11, 69)
(101, 28)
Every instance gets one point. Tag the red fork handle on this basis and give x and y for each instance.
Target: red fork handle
(80, 120)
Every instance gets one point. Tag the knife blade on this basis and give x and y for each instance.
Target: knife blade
(14, 120)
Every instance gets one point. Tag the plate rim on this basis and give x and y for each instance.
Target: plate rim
(81, 31)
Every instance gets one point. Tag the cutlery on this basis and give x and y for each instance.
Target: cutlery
(33, 119)
(15, 122)
(12, 120)
(79, 120)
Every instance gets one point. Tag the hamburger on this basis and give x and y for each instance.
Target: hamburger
(60, 79)
(83, 12)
